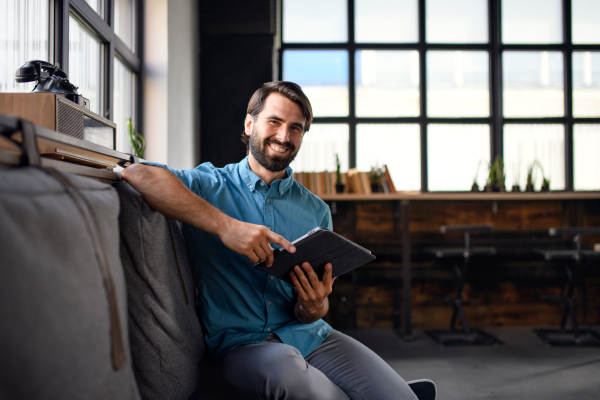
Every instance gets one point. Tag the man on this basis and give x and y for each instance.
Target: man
(269, 337)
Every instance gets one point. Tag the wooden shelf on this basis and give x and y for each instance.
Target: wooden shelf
(465, 196)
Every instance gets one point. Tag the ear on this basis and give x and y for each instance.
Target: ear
(248, 124)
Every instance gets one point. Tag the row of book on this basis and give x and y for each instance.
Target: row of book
(354, 181)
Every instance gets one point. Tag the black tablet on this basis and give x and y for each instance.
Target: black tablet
(318, 247)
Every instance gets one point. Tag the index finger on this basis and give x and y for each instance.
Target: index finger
(278, 239)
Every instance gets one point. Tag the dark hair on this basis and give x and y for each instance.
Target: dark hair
(288, 89)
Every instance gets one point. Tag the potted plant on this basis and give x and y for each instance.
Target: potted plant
(138, 144)
(475, 186)
(375, 179)
(496, 176)
(516, 172)
(529, 183)
(545, 181)
(339, 185)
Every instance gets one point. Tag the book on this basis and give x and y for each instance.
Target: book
(318, 247)
(354, 181)
(366, 183)
(388, 178)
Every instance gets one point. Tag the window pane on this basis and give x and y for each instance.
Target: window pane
(586, 21)
(384, 21)
(457, 84)
(456, 154)
(124, 104)
(323, 75)
(125, 22)
(586, 163)
(319, 147)
(532, 21)
(387, 83)
(315, 21)
(457, 21)
(96, 6)
(533, 84)
(525, 144)
(23, 37)
(396, 145)
(84, 64)
(586, 84)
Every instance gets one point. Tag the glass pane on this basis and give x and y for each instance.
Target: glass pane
(84, 64)
(23, 37)
(586, 84)
(525, 144)
(532, 21)
(125, 22)
(457, 84)
(533, 84)
(586, 21)
(315, 21)
(385, 21)
(96, 6)
(396, 145)
(124, 104)
(323, 75)
(387, 83)
(586, 163)
(457, 155)
(457, 21)
(319, 147)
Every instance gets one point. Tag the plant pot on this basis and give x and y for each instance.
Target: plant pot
(545, 188)
(375, 187)
(529, 188)
(339, 187)
(488, 188)
(516, 188)
(495, 188)
(475, 188)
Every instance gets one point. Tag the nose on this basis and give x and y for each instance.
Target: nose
(282, 134)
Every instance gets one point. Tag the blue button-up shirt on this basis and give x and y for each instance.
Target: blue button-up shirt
(238, 303)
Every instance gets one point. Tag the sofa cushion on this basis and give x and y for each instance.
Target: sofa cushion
(55, 313)
(167, 342)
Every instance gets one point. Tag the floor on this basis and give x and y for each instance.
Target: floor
(522, 368)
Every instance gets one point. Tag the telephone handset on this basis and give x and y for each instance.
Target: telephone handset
(50, 79)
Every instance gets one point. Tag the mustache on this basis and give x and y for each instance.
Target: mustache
(287, 144)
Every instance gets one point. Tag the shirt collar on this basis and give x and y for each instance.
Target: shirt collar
(250, 179)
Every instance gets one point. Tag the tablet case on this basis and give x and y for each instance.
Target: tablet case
(318, 247)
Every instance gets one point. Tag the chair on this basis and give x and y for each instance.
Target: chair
(573, 260)
(466, 335)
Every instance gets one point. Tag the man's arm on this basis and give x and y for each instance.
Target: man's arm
(312, 303)
(166, 194)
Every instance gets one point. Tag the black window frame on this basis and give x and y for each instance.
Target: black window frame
(102, 26)
(495, 49)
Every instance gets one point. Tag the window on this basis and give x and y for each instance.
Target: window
(437, 89)
(77, 35)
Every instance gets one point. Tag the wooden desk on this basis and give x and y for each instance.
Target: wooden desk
(477, 202)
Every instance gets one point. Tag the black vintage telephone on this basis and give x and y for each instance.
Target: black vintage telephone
(49, 79)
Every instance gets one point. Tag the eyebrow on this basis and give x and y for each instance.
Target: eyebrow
(276, 118)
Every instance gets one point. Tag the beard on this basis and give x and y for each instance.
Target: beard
(271, 163)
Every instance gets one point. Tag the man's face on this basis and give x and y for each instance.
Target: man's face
(276, 133)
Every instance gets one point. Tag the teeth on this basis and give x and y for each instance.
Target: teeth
(277, 148)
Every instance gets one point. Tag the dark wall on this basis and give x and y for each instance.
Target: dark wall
(236, 57)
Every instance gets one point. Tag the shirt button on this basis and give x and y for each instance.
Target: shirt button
(268, 329)
(282, 192)
(251, 186)
(269, 228)
(268, 200)
(269, 303)
(272, 277)
(262, 184)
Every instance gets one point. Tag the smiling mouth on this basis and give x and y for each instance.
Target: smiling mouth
(277, 149)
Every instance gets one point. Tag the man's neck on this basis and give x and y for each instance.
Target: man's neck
(267, 176)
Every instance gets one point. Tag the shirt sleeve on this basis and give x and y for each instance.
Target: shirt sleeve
(189, 177)
(326, 221)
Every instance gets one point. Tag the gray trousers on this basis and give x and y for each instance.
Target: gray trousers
(340, 368)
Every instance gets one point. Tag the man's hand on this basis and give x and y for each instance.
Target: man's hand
(312, 293)
(252, 241)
